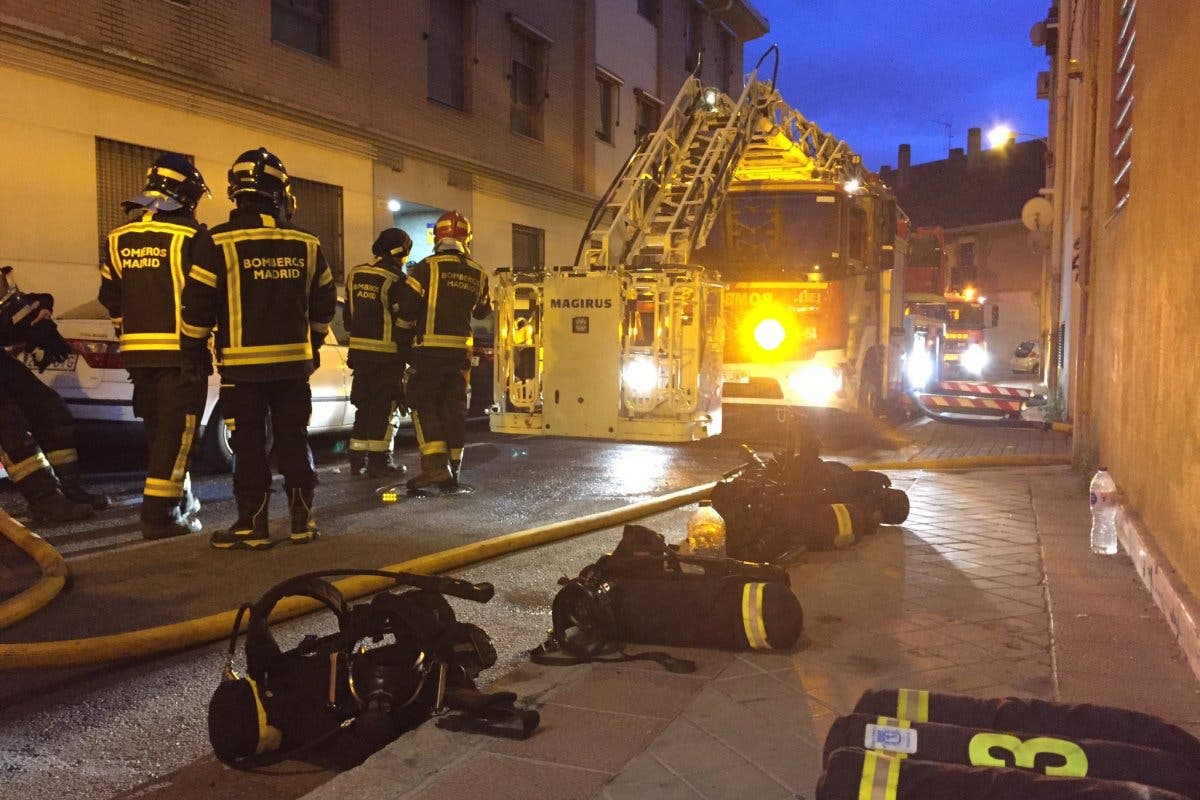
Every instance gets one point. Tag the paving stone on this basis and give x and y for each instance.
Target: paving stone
(503, 778)
(577, 737)
(646, 777)
(715, 770)
(778, 736)
(644, 692)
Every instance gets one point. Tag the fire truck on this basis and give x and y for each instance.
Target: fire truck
(742, 255)
(966, 350)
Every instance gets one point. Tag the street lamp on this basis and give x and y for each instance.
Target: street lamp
(1001, 135)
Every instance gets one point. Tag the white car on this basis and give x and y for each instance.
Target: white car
(1026, 358)
(97, 389)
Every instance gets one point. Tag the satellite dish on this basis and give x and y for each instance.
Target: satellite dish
(1038, 214)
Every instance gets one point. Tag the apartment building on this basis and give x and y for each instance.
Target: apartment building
(516, 113)
(1124, 118)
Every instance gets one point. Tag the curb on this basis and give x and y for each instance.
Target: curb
(1170, 594)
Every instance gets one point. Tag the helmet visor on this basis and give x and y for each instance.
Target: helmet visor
(153, 201)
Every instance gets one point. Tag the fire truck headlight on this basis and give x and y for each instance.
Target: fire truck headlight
(816, 384)
(769, 334)
(919, 367)
(640, 375)
(975, 359)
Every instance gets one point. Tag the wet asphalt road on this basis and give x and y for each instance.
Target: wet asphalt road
(106, 731)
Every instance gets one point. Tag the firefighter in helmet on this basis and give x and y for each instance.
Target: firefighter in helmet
(442, 293)
(373, 293)
(264, 285)
(145, 265)
(37, 433)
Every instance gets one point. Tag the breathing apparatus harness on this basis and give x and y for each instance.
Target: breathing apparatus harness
(393, 662)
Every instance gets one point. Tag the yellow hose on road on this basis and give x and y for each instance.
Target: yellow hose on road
(203, 630)
(46, 588)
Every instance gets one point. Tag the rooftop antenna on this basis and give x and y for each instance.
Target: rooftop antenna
(949, 132)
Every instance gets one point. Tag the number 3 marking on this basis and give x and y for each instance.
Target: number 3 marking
(1025, 753)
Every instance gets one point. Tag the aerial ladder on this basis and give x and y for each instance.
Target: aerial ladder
(626, 343)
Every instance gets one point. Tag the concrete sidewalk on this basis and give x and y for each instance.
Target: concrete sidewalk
(988, 589)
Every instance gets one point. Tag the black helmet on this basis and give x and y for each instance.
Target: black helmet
(392, 242)
(260, 172)
(172, 183)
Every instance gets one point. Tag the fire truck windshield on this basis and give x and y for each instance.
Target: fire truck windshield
(964, 315)
(773, 236)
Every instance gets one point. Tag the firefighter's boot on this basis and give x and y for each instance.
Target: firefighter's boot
(250, 530)
(189, 504)
(380, 465)
(358, 462)
(51, 505)
(455, 468)
(163, 518)
(304, 525)
(435, 473)
(72, 486)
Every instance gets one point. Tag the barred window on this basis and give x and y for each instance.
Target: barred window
(120, 174)
(450, 41)
(527, 79)
(302, 24)
(528, 248)
(319, 211)
(1122, 103)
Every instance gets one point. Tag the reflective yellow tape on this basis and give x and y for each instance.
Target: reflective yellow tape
(415, 285)
(845, 525)
(456, 454)
(432, 448)
(203, 276)
(231, 425)
(892, 722)
(912, 704)
(445, 340)
(67, 455)
(168, 173)
(325, 278)
(416, 418)
(880, 777)
(23, 469)
(752, 621)
(195, 331)
(269, 737)
(185, 447)
(160, 487)
(373, 345)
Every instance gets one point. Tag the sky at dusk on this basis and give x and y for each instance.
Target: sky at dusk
(879, 73)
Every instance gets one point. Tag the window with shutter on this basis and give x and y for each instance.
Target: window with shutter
(1122, 102)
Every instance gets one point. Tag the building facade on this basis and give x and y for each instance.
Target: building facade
(1125, 128)
(386, 113)
(976, 197)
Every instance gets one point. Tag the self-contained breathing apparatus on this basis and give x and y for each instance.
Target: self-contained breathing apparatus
(392, 663)
(645, 592)
(776, 507)
(25, 322)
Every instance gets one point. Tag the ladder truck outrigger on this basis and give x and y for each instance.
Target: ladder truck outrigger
(739, 245)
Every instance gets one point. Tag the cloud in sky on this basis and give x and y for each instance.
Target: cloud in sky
(879, 73)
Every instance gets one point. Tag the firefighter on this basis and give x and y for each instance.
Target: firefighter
(145, 265)
(442, 294)
(265, 286)
(37, 432)
(373, 292)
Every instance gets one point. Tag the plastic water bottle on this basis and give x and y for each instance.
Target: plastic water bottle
(1102, 494)
(706, 532)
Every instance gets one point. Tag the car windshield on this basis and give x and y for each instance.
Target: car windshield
(964, 315)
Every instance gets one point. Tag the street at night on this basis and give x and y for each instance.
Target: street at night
(599, 400)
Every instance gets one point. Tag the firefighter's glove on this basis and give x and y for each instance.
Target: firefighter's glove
(317, 339)
(195, 359)
(46, 344)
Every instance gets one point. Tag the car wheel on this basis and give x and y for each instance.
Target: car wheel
(217, 447)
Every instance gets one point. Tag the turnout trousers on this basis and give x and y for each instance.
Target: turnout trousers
(245, 407)
(374, 394)
(37, 432)
(170, 405)
(437, 393)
